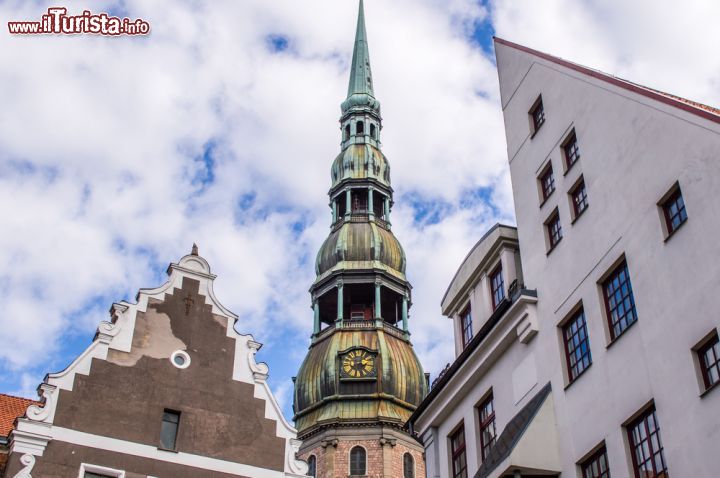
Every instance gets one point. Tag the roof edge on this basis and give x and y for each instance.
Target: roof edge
(665, 98)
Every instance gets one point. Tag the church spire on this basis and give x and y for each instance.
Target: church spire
(361, 96)
(360, 74)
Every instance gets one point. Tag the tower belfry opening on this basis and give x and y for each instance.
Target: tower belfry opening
(361, 377)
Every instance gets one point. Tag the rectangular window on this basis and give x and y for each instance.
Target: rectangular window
(646, 446)
(674, 210)
(466, 324)
(571, 150)
(554, 229)
(619, 301)
(487, 426)
(89, 474)
(537, 114)
(709, 356)
(457, 447)
(169, 429)
(577, 345)
(497, 286)
(579, 198)
(547, 182)
(597, 465)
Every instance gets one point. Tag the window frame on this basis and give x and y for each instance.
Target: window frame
(536, 124)
(643, 419)
(407, 454)
(498, 288)
(570, 139)
(312, 471)
(669, 199)
(350, 461)
(572, 318)
(586, 464)
(553, 218)
(464, 328)
(545, 173)
(460, 451)
(609, 277)
(485, 424)
(574, 190)
(711, 342)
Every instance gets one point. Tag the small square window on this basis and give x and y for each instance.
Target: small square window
(497, 286)
(577, 345)
(579, 198)
(709, 358)
(554, 230)
(537, 115)
(466, 324)
(488, 432)
(547, 182)
(674, 211)
(646, 446)
(619, 300)
(596, 466)
(571, 150)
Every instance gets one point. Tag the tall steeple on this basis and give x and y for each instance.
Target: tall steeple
(361, 378)
(360, 73)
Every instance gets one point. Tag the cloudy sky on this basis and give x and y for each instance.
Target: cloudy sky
(116, 154)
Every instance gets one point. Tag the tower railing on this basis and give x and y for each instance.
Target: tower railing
(362, 325)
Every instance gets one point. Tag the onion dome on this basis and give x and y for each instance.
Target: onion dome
(361, 161)
(398, 390)
(361, 246)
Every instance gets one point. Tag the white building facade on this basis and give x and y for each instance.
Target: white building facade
(608, 366)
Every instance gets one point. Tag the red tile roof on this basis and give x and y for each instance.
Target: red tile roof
(10, 409)
(699, 109)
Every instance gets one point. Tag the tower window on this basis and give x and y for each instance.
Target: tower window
(169, 429)
(312, 466)
(360, 128)
(373, 131)
(457, 449)
(347, 132)
(358, 461)
(408, 466)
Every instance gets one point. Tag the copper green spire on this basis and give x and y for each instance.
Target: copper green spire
(360, 89)
(360, 74)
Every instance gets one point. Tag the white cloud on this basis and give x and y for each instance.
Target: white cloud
(102, 140)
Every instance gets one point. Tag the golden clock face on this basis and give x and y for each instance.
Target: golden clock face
(358, 364)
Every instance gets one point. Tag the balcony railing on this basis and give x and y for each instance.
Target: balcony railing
(362, 325)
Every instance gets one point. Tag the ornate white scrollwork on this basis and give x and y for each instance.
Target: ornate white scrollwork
(42, 413)
(293, 464)
(29, 462)
(106, 331)
(259, 370)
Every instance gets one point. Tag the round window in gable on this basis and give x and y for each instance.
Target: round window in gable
(180, 359)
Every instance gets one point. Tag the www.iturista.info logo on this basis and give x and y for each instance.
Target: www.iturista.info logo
(57, 21)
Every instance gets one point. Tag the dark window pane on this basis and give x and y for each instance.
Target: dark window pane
(312, 466)
(169, 429)
(619, 301)
(89, 474)
(497, 285)
(357, 461)
(580, 199)
(554, 230)
(457, 445)
(709, 356)
(675, 214)
(547, 181)
(408, 466)
(538, 115)
(466, 323)
(571, 149)
(488, 433)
